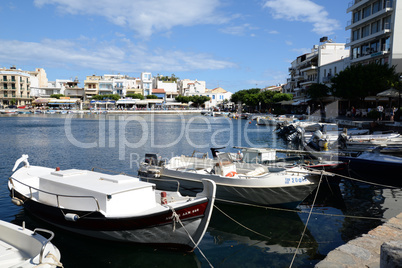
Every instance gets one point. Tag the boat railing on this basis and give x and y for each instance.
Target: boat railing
(52, 194)
(44, 244)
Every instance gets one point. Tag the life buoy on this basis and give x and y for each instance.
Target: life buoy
(231, 174)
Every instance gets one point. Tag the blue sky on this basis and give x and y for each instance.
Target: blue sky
(234, 44)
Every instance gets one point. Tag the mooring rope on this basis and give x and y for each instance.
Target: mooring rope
(245, 227)
(308, 219)
(176, 218)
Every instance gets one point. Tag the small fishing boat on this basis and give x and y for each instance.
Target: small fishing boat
(23, 248)
(112, 207)
(373, 166)
(236, 181)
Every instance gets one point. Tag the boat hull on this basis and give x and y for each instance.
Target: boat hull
(153, 229)
(252, 191)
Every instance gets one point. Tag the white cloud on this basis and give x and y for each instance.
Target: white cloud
(239, 30)
(273, 32)
(145, 17)
(128, 57)
(289, 43)
(304, 11)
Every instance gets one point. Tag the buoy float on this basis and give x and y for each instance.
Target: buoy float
(231, 174)
(163, 198)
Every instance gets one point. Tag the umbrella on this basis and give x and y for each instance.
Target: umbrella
(391, 93)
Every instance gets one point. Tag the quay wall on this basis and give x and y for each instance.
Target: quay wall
(379, 248)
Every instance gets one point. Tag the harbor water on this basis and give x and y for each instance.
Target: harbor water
(238, 235)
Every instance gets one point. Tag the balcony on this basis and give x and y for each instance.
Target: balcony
(374, 16)
(368, 38)
(356, 4)
(309, 68)
(369, 56)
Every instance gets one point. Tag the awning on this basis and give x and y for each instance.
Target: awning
(127, 101)
(60, 102)
(176, 103)
(374, 98)
(40, 101)
(390, 93)
(286, 102)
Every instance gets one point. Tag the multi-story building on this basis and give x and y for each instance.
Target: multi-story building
(72, 89)
(187, 87)
(91, 86)
(168, 84)
(134, 86)
(218, 96)
(306, 69)
(146, 83)
(14, 87)
(376, 32)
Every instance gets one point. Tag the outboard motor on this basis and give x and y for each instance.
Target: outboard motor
(215, 151)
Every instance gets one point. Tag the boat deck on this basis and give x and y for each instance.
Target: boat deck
(10, 255)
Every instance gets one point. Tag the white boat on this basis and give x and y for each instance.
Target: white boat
(23, 248)
(239, 182)
(112, 207)
(273, 120)
(365, 142)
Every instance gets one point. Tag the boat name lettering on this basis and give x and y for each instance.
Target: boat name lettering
(295, 180)
(185, 213)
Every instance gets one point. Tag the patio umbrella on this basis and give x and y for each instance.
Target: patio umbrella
(390, 93)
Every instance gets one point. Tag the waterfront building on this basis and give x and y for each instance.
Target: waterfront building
(168, 84)
(146, 83)
(72, 89)
(187, 87)
(219, 96)
(14, 87)
(91, 86)
(134, 86)
(307, 68)
(376, 32)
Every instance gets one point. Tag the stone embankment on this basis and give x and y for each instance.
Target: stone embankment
(380, 248)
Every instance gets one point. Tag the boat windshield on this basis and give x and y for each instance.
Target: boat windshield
(224, 158)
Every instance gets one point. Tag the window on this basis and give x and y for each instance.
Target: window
(5, 94)
(385, 44)
(213, 97)
(375, 27)
(366, 12)
(365, 49)
(4, 78)
(334, 70)
(5, 86)
(13, 78)
(356, 16)
(376, 6)
(365, 31)
(386, 23)
(325, 72)
(374, 47)
(356, 35)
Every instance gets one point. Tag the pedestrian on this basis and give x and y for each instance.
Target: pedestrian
(308, 110)
(392, 114)
(380, 109)
(353, 112)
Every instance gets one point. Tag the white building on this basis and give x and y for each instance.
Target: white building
(218, 96)
(189, 87)
(306, 69)
(376, 32)
(146, 83)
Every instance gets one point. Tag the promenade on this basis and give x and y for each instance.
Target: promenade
(381, 247)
